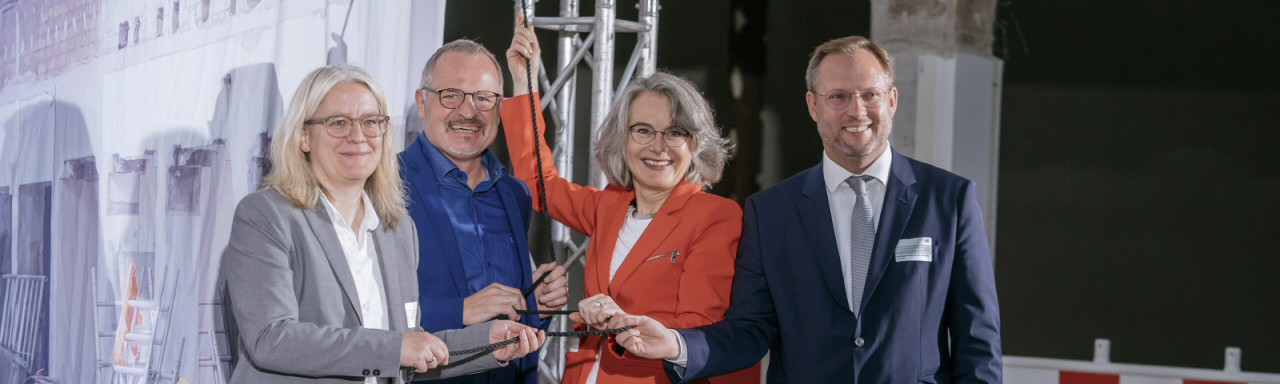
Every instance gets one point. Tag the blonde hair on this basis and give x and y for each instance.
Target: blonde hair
(689, 111)
(291, 173)
(849, 45)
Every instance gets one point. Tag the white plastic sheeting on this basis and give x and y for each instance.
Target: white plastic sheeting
(146, 148)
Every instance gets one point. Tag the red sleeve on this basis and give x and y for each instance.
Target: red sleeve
(571, 204)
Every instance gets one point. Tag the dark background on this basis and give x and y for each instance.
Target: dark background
(1137, 161)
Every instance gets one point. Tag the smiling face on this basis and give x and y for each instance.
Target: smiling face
(855, 134)
(655, 166)
(346, 161)
(462, 134)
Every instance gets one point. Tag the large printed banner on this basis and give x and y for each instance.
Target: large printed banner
(128, 132)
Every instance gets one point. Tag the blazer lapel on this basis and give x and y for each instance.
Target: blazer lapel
(816, 213)
(322, 228)
(442, 229)
(654, 235)
(615, 215)
(390, 279)
(899, 199)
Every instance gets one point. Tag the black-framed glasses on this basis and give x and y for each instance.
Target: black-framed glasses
(452, 98)
(839, 100)
(371, 126)
(673, 137)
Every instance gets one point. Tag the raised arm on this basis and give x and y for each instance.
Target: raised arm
(571, 204)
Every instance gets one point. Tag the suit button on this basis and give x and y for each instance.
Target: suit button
(365, 372)
(377, 372)
(859, 341)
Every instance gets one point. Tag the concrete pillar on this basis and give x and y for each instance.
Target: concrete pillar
(948, 87)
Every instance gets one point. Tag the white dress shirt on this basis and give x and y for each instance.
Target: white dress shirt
(362, 258)
(627, 237)
(840, 199)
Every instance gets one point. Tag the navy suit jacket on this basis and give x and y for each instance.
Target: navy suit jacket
(442, 283)
(932, 321)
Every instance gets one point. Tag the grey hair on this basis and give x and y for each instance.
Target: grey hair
(466, 46)
(689, 110)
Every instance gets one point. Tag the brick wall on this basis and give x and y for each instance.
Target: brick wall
(39, 39)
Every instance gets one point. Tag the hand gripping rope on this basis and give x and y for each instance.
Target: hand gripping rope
(500, 344)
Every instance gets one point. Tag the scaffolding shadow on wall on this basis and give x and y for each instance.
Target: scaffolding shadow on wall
(198, 211)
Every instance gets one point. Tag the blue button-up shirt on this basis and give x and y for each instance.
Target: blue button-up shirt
(479, 220)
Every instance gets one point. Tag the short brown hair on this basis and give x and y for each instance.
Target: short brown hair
(847, 45)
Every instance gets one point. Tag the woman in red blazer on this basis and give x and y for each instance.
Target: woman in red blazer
(660, 245)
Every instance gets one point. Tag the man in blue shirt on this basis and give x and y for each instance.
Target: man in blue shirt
(472, 217)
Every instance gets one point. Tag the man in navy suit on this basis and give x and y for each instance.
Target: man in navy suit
(870, 267)
(472, 217)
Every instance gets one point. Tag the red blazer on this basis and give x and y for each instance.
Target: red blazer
(679, 272)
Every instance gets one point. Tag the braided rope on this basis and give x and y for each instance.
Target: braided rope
(537, 152)
(489, 347)
(545, 311)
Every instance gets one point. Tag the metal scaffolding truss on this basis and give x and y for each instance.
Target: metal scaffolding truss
(596, 52)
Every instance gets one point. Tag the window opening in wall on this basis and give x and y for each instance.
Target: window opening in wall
(24, 313)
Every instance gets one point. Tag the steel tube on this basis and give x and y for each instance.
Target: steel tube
(649, 37)
(602, 79)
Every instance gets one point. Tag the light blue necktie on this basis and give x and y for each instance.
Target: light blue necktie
(862, 231)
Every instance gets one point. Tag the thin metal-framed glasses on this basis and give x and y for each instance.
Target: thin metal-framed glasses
(371, 126)
(452, 98)
(839, 100)
(673, 137)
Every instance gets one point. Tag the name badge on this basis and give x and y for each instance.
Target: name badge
(917, 249)
(411, 314)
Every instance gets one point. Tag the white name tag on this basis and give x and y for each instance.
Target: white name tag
(411, 314)
(917, 249)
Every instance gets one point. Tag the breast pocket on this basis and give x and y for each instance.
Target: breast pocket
(671, 257)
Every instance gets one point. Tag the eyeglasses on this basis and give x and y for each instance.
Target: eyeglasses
(839, 100)
(371, 126)
(452, 98)
(643, 135)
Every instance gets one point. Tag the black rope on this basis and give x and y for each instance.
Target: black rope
(537, 152)
(513, 340)
(542, 199)
(545, 311)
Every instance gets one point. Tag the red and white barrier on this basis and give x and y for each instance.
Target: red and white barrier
(1036, 370)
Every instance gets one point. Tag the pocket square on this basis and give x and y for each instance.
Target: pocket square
(916, 249)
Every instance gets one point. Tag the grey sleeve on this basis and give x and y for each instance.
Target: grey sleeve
(260, 286)
(459, 339)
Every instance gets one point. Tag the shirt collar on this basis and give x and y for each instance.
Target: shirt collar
(834, 175)
(370, 221)
(442, 166)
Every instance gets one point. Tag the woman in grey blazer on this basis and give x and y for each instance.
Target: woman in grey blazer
(321, 268)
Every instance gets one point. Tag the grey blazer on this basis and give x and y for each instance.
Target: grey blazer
(294, 300)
